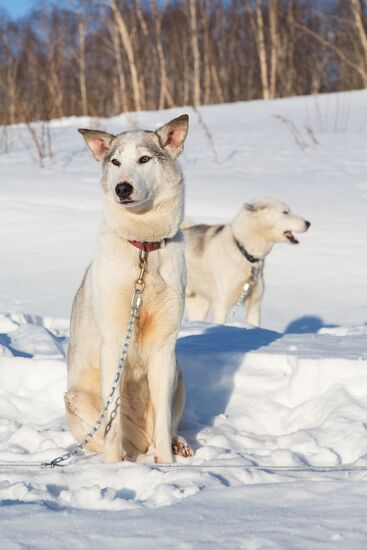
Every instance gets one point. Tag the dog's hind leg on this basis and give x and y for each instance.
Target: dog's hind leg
(82, 410)
(137, 416)
(220, 312)
(253, 304)
(197, 307)
(179, 444)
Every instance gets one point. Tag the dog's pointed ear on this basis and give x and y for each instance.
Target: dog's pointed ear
(97, 141)
(173, 134)
(254, 206)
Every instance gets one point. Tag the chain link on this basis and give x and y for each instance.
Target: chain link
(136, 299)
(246, 289)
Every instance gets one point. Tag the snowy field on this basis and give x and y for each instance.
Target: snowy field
(291, 393)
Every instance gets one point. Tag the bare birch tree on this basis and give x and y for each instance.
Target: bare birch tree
(95, 58)
(115, 36)
(362, 36)
(274, 45)
(82, 64)
(126, 41)
(165, 96)
(195, 52)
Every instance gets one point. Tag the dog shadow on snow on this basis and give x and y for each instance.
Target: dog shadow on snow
(210, 361)
(211, 358)
(307, 324)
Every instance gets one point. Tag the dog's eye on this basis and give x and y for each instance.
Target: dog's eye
(144, 159)
(116, 162)
(285, 212)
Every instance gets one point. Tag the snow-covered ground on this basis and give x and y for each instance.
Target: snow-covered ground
(291, 393)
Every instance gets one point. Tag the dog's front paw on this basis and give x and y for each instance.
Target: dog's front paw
(163, 455)
(112, 458)
(180, 447)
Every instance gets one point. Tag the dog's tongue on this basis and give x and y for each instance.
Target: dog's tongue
(291, 238)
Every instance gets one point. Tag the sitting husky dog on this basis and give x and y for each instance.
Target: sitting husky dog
(221, 258)
(142, 189)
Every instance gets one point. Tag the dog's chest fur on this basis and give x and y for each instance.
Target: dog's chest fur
(115, 269)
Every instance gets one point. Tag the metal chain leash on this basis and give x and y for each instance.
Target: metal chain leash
(136, 299)
(246, 289)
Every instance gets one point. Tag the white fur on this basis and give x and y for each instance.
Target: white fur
(152, 391)
(216, 268)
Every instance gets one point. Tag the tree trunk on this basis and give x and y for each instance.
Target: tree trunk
(112, 29)
(195, 52)
(82, 65)
(273, 15)
(206, 52)
(126, 41)
(164, 93)
(361, 33)
(261, 50)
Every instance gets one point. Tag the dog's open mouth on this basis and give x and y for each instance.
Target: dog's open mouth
(291, 238)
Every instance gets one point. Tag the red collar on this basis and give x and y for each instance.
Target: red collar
(147, 247)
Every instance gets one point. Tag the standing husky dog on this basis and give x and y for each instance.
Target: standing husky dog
(143, 198)
(220, 258)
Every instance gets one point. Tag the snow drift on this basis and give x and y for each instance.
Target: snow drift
(254, 397)
(291, 393)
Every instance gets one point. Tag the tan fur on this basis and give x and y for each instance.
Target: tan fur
(146, 328)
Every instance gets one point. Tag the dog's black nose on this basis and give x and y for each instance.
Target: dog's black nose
(307, 224)
(123, 190)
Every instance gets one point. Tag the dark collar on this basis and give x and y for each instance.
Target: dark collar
(244, 252)
(148, 247)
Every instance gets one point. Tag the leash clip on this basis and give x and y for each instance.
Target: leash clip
(136, 298)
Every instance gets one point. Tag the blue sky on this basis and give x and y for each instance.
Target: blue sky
(19, 8)
(16, 8)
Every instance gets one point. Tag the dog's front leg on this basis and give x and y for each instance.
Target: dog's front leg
(113, 449)
(220, 312)
(161, 376)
